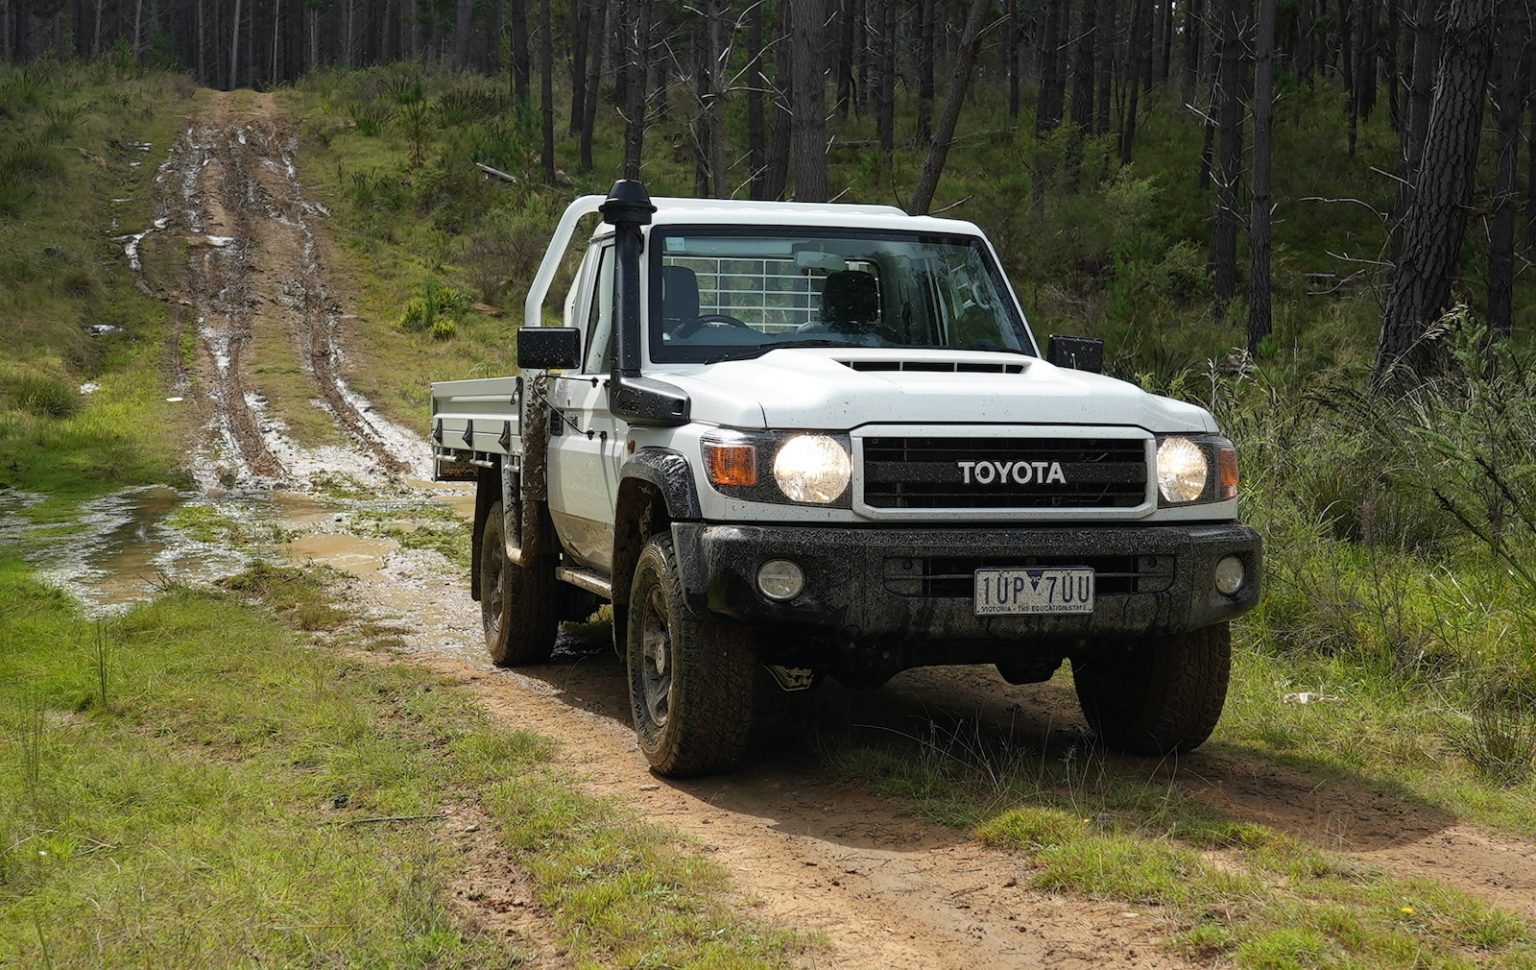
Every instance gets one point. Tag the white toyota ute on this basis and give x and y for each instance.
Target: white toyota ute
(822, 440)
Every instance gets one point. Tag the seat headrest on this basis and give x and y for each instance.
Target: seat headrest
(850, 296)
(679, 295)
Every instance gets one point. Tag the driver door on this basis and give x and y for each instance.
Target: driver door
(586, 443)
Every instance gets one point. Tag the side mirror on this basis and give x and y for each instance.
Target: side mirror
(548, 348)
(1078, 353)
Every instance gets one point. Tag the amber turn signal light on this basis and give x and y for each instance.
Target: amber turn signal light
(731, 464)
(1226, 472)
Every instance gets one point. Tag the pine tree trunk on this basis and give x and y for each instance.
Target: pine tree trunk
(580, 40)
(521, 73)
(1437, 220)
(1389, 63)
(757, 83)
(959, 81)
(848, 15)
(1365, 59)
(1012, 48)
(1140, 11)
(1106, 70)
(637, 36)
(1426, 51)
(1509, 102)
(885, 105)
(810, 96)
(1052, 86)
(776, 178)
(1259, 322)
(547, 90)
(925, 88)
(463, 17)
(234, 50)
(597, 23)
(277, 23)
(1229, 157)
(1084, 56)
(715, 16)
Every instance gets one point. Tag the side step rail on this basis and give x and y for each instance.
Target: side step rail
(586, 579)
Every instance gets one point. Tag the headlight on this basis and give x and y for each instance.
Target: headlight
(1182, 470)
(812, 468)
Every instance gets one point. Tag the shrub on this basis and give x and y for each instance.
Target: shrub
(39, 390)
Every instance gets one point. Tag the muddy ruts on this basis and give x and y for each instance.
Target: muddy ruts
(230, 187)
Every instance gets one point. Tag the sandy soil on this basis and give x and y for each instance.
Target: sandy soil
(883, 888)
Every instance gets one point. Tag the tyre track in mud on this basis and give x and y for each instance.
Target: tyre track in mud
(229, 192)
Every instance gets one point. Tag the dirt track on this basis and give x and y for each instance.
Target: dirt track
(885, 888)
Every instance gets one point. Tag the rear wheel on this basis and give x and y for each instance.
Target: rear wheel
(519, 608)
(691, 679)
(1159, 696)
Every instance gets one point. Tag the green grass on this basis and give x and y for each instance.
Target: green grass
(211, 808)
(62, 271)
(1236, 890)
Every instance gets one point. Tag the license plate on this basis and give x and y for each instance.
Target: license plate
(1002, 592)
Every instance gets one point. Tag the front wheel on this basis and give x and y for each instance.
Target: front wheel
(518, 605)
(691, 679)
(1159, 696)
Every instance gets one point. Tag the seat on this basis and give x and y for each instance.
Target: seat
(850, 301)
(679, 297)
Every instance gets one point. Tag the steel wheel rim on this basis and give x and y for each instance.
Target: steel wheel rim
(656, 660)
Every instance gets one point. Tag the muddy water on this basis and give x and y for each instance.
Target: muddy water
(128, 547)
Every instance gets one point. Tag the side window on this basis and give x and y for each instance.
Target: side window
(600, 316)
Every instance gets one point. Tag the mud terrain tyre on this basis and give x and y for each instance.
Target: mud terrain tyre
(1161, 696)
(691, 679)
(519, 608)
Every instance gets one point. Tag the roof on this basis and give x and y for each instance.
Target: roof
(676, 211)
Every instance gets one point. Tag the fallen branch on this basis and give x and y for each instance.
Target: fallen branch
(379, 819)
(498, 173)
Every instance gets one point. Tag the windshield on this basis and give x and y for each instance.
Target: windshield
(721, 293)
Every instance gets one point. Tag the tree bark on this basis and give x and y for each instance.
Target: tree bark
(637, 37)
(1012, 48)
(580, 41)
(757, 83)
(848, 15)
(1229, 158)
(776, 175)
(885, 102)
(1437, 220)
(926, 27)
(547, 90)
(1106, 70)
(1140, 11)
(1194, 29)
(521, 79)
(277, 23)
(1052, 86)
(715, 15)
(1259, 295)
(959, 81)
(234, 50)
(464, 13)
(597, 23)
(1508, 104)
(1426, 52)
(810, 96)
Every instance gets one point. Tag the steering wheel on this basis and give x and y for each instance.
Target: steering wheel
(689, 329)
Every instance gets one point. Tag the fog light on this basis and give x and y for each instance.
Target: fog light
(1229, 575)
(780, 579)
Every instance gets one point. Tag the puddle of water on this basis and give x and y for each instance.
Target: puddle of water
(459, 496)
(119, 551)
(357, 555)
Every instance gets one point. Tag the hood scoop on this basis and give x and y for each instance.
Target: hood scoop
(934, 366)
